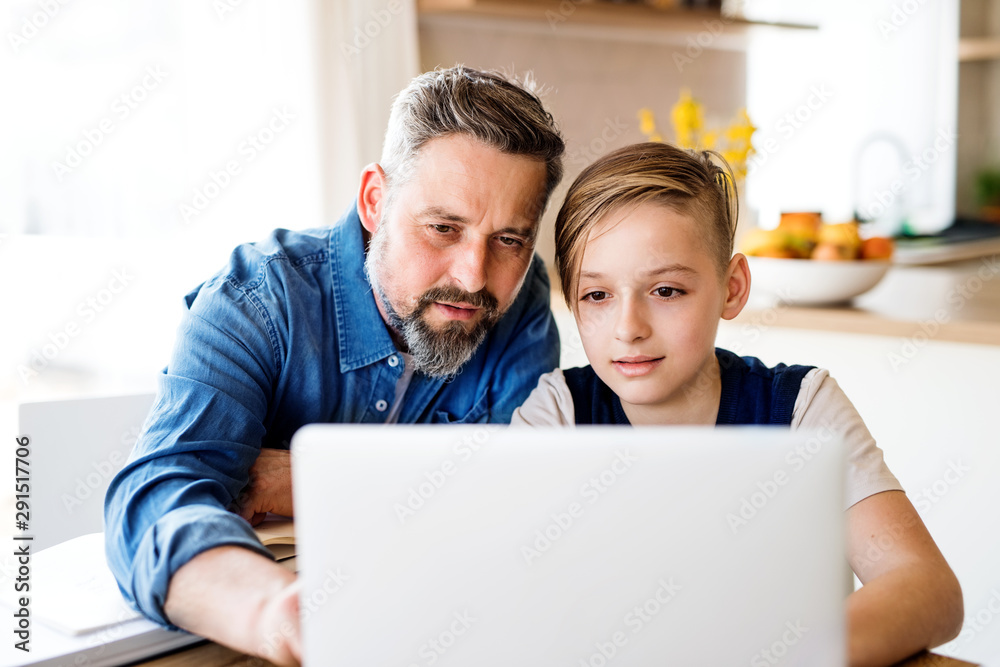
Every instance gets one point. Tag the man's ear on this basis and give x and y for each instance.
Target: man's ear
(737, 286)
(371, 196)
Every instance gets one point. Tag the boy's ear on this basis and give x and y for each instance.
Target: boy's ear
(371, 196)
(737, 286)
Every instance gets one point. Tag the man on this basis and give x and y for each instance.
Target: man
(444, 318)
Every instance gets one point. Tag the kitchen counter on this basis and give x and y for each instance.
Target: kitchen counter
(957, 302)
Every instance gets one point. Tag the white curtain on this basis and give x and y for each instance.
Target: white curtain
(147, 119)
(369, 52)
(150, 138)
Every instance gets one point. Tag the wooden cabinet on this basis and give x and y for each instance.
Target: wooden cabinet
(628, 20)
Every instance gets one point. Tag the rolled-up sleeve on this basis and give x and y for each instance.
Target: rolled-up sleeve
(170, 501)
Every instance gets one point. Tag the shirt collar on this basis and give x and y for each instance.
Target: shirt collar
(361, 332)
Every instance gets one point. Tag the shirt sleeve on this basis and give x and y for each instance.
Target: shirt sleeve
(821, 403)
(531, 346)
(550, 403)
(169, 502)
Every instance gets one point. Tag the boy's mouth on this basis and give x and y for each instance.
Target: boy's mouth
(636, 366)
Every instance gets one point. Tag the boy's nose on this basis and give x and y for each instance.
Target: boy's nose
(632, 324)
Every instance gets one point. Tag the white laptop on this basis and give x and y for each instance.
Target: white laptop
(586, 547)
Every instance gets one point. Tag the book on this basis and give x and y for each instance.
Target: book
(78, 615)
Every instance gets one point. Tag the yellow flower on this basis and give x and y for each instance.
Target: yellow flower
(647, 122)
(687, 118)
(708, 140)
(734, 143)
(743, 129)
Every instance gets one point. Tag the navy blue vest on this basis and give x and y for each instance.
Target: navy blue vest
(752, 393)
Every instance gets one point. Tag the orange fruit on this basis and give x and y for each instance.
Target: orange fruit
(877, 247)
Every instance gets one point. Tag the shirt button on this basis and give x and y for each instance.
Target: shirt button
(381, 406)
(394, 361)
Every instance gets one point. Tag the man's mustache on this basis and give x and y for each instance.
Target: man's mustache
(481, 299)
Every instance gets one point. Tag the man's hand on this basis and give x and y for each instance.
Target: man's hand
(269, 488)
(241, 599)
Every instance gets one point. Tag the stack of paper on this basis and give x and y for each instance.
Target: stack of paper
(78, 615)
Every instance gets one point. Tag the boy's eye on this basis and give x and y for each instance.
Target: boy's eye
(594, 296)
(667, 292)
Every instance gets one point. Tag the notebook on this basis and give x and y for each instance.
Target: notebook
(80, 617)
(593, 546)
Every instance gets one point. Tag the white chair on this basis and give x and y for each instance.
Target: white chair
(76, 447)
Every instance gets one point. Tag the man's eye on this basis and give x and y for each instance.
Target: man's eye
(509, 241)
(442, 229)
(594, 296)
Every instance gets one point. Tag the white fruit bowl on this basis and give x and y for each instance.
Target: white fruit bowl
(810, 282)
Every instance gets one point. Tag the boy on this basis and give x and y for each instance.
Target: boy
(644, 249)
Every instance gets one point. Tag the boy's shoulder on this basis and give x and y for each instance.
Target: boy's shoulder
(755, 393)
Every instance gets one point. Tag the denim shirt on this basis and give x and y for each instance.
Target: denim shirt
(288, 334)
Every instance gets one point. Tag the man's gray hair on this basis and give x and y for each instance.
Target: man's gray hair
(498, 110)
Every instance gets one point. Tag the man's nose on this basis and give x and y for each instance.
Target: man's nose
(468, 267)
(631, 324)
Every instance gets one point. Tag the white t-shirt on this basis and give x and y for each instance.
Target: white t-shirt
(820, 403)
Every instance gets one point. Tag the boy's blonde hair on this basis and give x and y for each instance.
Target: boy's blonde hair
(688, 182)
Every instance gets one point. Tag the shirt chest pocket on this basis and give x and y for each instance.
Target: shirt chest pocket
(447, 414)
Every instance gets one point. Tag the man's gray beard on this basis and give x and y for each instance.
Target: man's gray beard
(436, 353)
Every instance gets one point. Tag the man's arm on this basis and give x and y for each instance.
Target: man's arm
(269, 488)
(911, 599)
(260, 599)
(171, 500)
